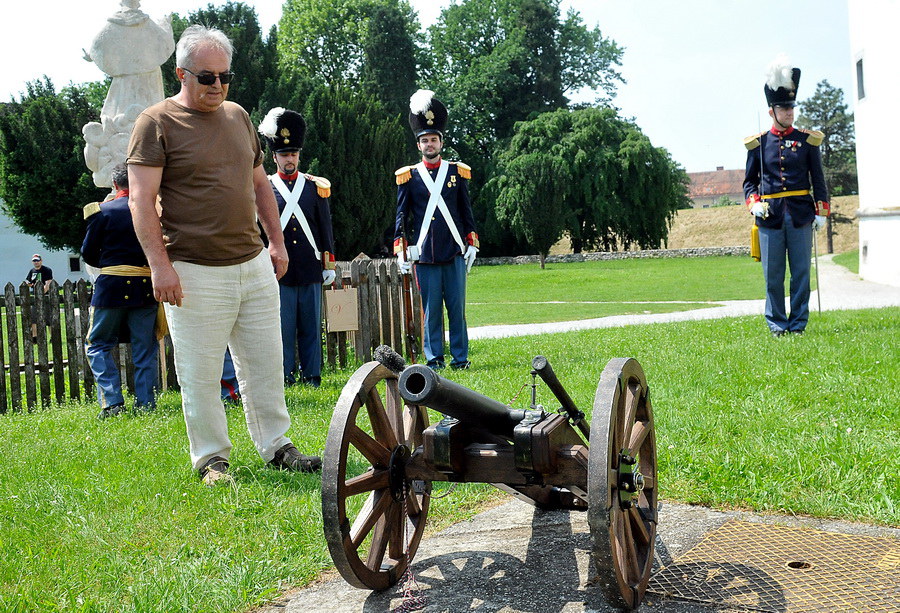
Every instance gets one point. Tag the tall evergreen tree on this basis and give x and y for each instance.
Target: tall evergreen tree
(44, 182)
(353, 142)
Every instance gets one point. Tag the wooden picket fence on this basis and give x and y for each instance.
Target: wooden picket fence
(56, 368)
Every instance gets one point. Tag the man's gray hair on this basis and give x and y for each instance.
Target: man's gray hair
(196, 37)
(120, 175)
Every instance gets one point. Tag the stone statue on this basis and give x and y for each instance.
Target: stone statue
(130, 48)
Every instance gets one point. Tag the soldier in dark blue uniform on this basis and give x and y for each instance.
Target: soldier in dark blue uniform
(309, 239)
(122, 308)
(783, 165)
(434, 211)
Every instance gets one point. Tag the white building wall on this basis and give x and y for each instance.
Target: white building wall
(16, 250)
(875, 45)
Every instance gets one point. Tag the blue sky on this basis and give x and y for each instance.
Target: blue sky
(694, 68)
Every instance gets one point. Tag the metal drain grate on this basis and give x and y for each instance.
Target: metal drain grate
(765, 567)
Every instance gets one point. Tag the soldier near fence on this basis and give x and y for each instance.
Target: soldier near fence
(785, 190)
(305, 218)
(123, 308)
(435, 230)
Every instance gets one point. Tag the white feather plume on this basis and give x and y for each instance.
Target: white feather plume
(780, 73)
(269, 125)
(420, 101)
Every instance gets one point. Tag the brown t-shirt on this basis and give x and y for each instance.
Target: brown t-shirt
(206, 193)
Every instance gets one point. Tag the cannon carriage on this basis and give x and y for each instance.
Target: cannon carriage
(382, 456)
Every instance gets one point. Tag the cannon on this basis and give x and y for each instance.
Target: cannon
(382, 456)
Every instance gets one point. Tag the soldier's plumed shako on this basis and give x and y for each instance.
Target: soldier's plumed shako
(427, 114)
(283, 130)
(782, 81)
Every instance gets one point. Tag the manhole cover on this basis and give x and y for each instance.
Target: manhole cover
(765, 567)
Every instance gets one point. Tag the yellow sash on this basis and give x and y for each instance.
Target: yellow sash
(161, 328)
(124, 270)
(795, 192)
(755, 252)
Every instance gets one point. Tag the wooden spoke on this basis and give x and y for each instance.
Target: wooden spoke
(412, 506)
(366, 482)
(373, 451)
(627, 544)
(368, 424)
(381, 424)
(638, 436)
(396, 524)
(394, 406)
(623, 523)
(379, 545)
(637, 527)
(364, 523)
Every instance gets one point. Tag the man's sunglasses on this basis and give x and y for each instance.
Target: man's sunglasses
(207, 78)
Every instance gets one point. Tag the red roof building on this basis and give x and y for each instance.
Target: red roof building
(708, 188)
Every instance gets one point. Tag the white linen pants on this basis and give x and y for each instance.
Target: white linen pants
(236, 306)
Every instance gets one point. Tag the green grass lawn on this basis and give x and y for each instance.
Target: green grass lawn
(585, 290)
(108, 516)
(849, 260)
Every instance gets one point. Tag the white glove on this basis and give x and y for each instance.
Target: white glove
(470, 257)
(403, 264)
(818, 222)
(758, 210)
(328, 277)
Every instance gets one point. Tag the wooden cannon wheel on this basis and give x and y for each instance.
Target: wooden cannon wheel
(373, 516)
(622, 488)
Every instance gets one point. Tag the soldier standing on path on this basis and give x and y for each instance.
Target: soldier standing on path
(122, 307)
(782, 164)
(306, 225)
(435, 229)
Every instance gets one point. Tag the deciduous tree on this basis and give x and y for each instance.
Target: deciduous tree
(44, 182)
(826, 111)
(588, 173)
(360, 43)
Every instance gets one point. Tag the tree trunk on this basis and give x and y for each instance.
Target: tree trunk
(829, 233)
(542, 256)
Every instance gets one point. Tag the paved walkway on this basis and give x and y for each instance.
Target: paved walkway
(514, 558)
(840, 290)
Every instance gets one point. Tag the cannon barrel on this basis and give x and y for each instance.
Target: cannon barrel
(541, 366)
(420, 385)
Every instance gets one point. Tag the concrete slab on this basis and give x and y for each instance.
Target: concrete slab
(516, 559)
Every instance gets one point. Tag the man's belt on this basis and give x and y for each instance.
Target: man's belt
(793, 192)
(124, 270)
(161, 328)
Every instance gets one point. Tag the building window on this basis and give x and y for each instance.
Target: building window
(74, 263)
(860, 85)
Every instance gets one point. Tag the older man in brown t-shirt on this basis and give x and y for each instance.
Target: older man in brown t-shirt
(200, 155)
